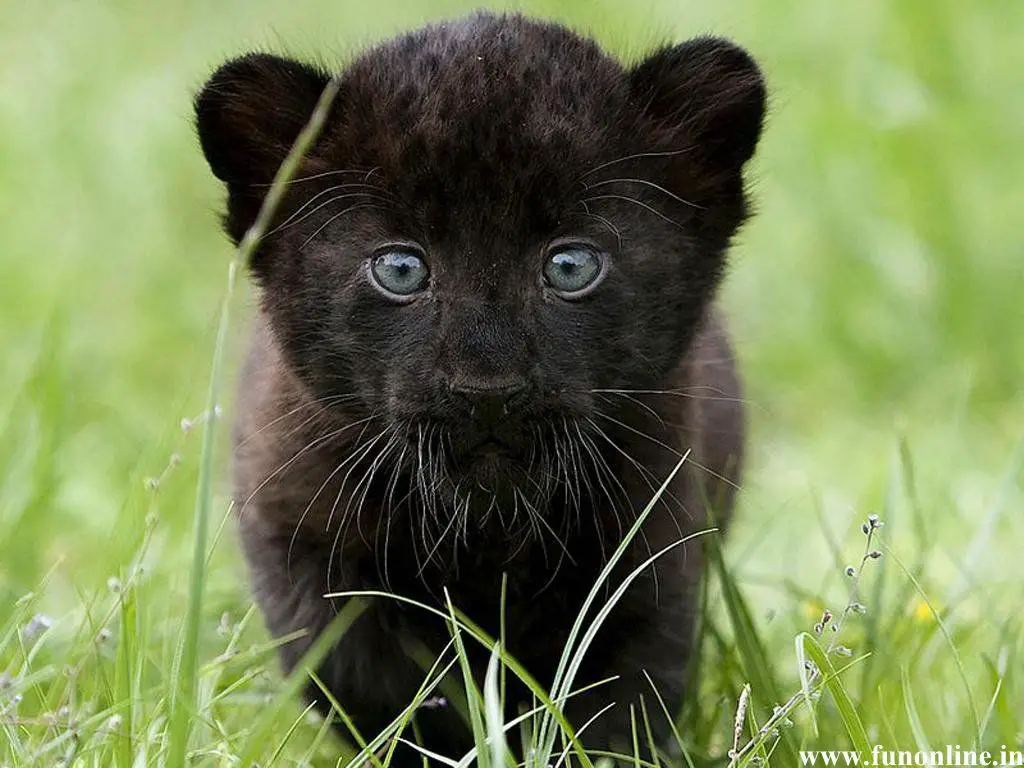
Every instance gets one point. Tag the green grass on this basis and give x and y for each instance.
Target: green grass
(876, 302)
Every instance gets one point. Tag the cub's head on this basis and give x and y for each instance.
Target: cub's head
(497, 220)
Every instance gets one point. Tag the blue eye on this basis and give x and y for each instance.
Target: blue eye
(400, 272)
(573, 269)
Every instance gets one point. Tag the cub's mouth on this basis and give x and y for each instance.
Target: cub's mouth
(491, 446)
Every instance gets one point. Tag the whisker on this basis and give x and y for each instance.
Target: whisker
(611, 227)
(389, 499)
(323, 403)
(345, 520)
(316, 442)
(638, 156)
(324, 174)
(366, 482)
(647, 477)
(358, 453)
(667, 447)
(603, 470)
(573, 469)
(334, 218)
(320, 490)
(645, 183)
(687, 393)
(643, 205)
(437, 543)
(291, 220)
(635, 400)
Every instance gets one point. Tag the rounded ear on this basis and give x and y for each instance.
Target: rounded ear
(710, 93)
(248, 115)
(250, 112)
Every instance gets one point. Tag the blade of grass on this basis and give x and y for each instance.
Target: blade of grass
(635, 736)
(746, 754)
(671, 722)
(494, 706)
(406, 718)
(551, 706)
(502, 634)
(606, 609)
(749, 644)
(972, 707)
(984, 529)
(687, 715)
(648, 732)
(429, 754)
(124, 679)
(755, 727)
(321, 736)
(524, 717)
(184, 678)
(432, 680)
(473, 696)
(903, 468)
(564, 757)
(298, 678)
(545, 737)
(348, 754)
(452, 689)
(1006, 713)
(847, 711)
(991, 708)
(920, 739)
(804, 669)
(288, 735)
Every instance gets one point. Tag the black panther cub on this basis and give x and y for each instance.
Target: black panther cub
(486, 334)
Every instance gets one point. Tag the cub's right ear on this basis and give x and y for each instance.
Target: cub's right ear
(710, 94)
(248, 115)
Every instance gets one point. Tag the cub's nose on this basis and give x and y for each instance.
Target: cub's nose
(488, 401)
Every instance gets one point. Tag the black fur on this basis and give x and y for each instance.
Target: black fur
(487, 425)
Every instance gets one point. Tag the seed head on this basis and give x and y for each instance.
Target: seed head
(36, 626)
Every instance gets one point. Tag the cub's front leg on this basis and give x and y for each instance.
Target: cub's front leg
(368, 672)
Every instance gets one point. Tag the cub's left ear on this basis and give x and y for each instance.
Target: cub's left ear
(251, 110)
(709, 92)
(248, 114)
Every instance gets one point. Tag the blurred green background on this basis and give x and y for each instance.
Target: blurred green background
(876, 297)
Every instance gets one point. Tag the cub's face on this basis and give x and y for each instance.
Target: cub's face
(498, 222)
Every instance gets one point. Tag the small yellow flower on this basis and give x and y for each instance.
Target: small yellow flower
(814, 609)
(922, 612)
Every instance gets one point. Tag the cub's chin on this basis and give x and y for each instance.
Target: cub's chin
(494, 478)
